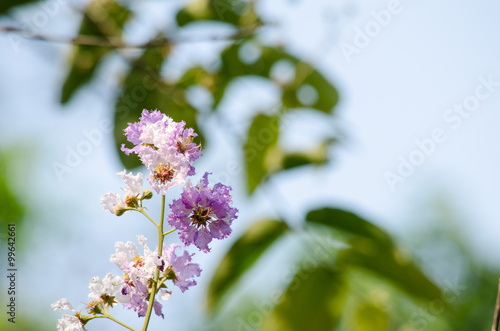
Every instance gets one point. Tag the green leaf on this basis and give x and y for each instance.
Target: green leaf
(313, 301)
(391, 264)
(348, 222)
(305, 76)
(14, 208)
(236, 12)
(241, 256)
(262, 136)
(103, 18)
(370, 318)
(373, 249)
(316, 156)
(6, 5)
(144, 88)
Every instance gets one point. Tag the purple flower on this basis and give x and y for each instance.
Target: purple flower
(165, 147)
(203, 213)
(134, 130)
(183, 142)
(139, 270)
(179, 269)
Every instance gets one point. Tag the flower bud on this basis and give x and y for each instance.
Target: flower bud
(147, 194)
(119, 210)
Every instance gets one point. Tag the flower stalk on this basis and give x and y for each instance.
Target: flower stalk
(155, 285)
(202, 213)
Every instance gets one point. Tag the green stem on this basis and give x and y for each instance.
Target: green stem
(108, 316)
(155, 284)
(119, 322)
(141, 210)
(169, 232)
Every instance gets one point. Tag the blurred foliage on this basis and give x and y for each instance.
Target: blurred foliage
(6, 5)
(104, 18)
(144, 87)
(242, 255)
(16, 209)
(236, 12)
(24, 322)
(331, 289)
(316, 293)
(262, 137)
(373, 250)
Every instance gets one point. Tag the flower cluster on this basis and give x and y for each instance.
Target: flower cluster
(165, 147)
(201, 214)
(133, 289)
(139, 270)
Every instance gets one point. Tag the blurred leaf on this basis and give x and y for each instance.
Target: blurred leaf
(6, 5)
(348, 222)
(313, 301)
(102, 18)
(262, 136)
(317, 156)
(13, 210)
(325, 96)
(305, 76)
(144, 88)
(31, 320)
(196, 75)
(236, 12)
(241, 256)
(373, 249)
(390, 263)
(370, 318)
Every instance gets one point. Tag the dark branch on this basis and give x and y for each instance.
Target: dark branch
(114, 42)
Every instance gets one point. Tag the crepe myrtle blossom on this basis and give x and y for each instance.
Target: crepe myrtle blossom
(109, 285)
(67, 322)
(157, 136)
(203, 213)
(133, 194)
(139, 270)
(167, 169)
(178, 269)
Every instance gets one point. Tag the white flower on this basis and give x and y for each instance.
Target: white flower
(143, 267)
(137, 267)
(122, 298)
(111, 200)
(124, 253)
(133, 189)
(133, 183)
(109, 285)
(69, 323)
(62, 304)
(168, 168)
(164, 294)
(158, 134)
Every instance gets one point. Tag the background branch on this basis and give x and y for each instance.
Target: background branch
(114, 42)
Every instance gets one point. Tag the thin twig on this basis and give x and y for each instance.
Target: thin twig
(496, 316)
(114, 42)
